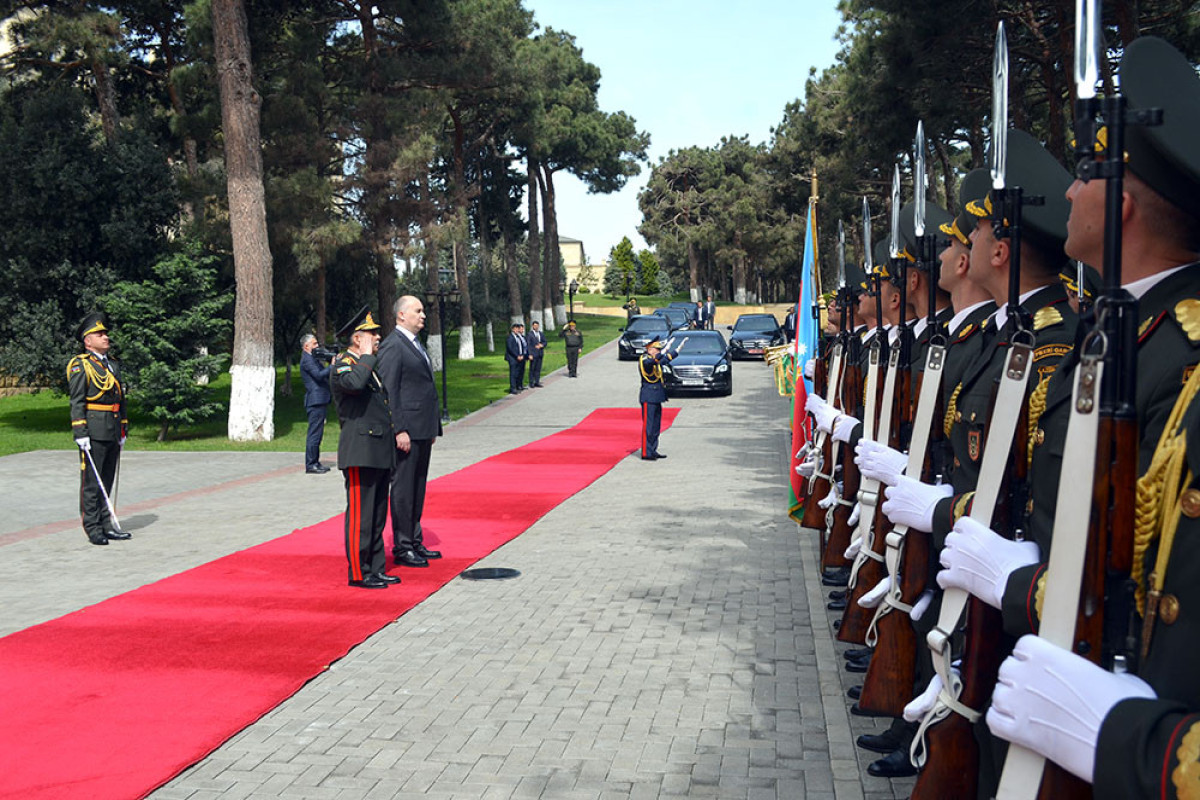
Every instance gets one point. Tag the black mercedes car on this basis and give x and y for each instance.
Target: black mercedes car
(702, 365)
(677, 317)
(687, 306)
(752, 334)
(640, 330)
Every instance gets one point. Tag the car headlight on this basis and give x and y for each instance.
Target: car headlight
(721, 368)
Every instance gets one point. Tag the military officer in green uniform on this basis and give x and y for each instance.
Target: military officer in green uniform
(99, 424)
(366, 447)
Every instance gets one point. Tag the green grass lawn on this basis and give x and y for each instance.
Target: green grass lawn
(42, 421)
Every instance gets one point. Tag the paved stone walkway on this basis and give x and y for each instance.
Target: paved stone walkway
(667, 636)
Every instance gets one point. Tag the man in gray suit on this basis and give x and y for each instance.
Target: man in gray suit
(406, 371)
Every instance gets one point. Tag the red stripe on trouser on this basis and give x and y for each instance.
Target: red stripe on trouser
(644, 453)
(354, 521)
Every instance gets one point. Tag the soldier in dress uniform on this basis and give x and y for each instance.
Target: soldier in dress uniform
(99, 424)
(652, 395)
(366, 448)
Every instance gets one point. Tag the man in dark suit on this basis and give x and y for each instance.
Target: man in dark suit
(407, 373)
(316, 399)
(99, 425)
(365, 451)
(535, 340)
(516, 352)
(710, 313)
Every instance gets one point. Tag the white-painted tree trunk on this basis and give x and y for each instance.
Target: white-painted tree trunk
(739, 296)
(433, 346)
(252, 403)
(548, 315)
(694, 293)
(515, 319)
(491, 337)
(535, 315)
(560, 315)
(466, 342)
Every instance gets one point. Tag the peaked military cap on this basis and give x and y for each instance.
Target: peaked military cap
(655, 342)
(935, 218)
(94, 322)
(973, 189)
(362, 321)
(1038, 174)
(856, 279)
(1166, 157)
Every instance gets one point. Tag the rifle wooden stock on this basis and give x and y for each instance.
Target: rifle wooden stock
(840, 532)
(952, 767)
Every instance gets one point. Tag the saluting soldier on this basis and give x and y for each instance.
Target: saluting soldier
(652, 395)
(99, 424)
(366, 447)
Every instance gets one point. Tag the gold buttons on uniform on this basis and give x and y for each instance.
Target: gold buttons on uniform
(958, 416)
(1039, 438)
(1168, 609)
(1029, 506)
(972, 416)
(1190, 503)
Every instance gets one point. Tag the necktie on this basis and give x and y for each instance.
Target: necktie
(421, 350)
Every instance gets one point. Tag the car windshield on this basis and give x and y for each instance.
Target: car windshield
(648, 325)
(763, 323)
(702, 345)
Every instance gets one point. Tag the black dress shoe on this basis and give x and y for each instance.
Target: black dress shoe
(837, 623)
(385, 578)
(836, 605)
(117, 533)
(514, 391)
(425, 552)
(885, 742)
(839, 577)
(316, 469)
(858, 665)
(408, 558)
(859, 711)
(857, 653)
(660, 455)
(893, 765)
(854, 692)
(649, 458)
(369, 582)
(837, 594)
(97, 538)
(537, 385)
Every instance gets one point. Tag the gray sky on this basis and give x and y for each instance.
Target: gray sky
(689, 72)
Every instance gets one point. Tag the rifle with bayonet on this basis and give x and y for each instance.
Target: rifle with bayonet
(821, 482)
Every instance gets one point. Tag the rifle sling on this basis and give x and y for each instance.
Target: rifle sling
(1022, 775)
(868, 493)
(835, 378)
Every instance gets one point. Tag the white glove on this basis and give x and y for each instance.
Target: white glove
(843, 429)
(855, 513)
(84, 442)
(880, 462)
(911, 502)
(809, 367)
(826, 502)
(920, 705)
(979, 560)
(1053, 702)
(874, 597)
(855, 546)
(121, 441)
(824, 414)
(807, 467)
(804, 450)
(921, 606)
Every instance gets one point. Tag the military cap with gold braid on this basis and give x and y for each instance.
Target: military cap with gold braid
(1166, 157)
(856, 279)
(879, 268)
(974, 188)
(1092, 281)
(1038, 174)
(935, 218)
(94, 322)
(362, 321)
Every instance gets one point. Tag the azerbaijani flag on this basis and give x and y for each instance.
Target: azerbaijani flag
(804, 348)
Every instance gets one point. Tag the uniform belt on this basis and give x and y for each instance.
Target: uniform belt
(114, 408)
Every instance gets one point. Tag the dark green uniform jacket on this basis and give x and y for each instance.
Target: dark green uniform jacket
(367, 439)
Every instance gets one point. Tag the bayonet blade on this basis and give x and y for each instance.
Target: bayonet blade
(1000, 109)
(866, 235)
(841, 255)
(1087, 48)
(919, 179)
(894, 241)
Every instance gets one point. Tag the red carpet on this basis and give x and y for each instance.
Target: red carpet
(116, 699)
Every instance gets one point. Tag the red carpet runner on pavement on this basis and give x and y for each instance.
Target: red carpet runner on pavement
(116, 699)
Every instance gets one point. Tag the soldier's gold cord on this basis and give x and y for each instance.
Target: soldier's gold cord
(655, 374)
(1037, 405)
(102, 383)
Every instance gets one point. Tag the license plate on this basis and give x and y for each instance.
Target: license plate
(755, 351)
(692, 381)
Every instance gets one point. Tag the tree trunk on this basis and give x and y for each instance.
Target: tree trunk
(252, 398)
(466, 325)
(458, 200)
(534, 247)
(378, 154)
(739, 270)
(693, 272)
(485, 267)
(322, 326)
(554, 275)
(106, 99)
(548, 277)
(433, 312)
(514, 281)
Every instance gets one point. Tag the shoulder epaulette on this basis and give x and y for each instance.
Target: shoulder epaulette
(1045, 317)
(1187, 314)
(1149, 325)
(966, 332)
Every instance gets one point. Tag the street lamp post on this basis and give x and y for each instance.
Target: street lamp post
(571, 290)
(446, 287)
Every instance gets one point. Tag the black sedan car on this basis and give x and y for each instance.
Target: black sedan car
(687, 306)
(752, 334)
(641, 329)
(677, 317)
(702, 365)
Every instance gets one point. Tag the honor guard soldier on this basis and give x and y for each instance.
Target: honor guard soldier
(99, 424)
(366, 447)
(653, 394)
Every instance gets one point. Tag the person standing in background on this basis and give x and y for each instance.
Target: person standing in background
(316, 402)
(535, 340)
(574, 343)
(710, 313)
(516, 351)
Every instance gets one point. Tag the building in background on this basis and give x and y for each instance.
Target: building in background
(574, 261)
